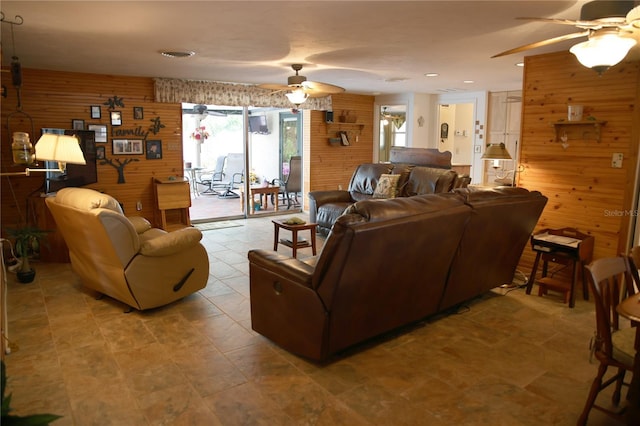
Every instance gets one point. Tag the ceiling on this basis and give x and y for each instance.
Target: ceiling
(367, 47)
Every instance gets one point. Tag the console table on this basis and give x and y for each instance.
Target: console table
(172, 194)
(565, 246)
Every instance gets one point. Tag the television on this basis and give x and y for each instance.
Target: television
(77, 174)
(258, 124)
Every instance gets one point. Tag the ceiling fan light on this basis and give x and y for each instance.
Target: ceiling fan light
(602, 52)
(297, 96)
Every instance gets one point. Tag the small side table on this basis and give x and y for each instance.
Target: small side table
(566, 246)
(294, 243)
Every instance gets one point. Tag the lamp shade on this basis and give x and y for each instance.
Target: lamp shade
(297, 96)
(60, 148)
(603, 51)
(496, 152)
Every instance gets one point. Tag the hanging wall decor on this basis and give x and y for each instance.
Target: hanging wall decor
(119, 167)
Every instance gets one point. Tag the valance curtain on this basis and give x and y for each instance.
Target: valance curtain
(214, 93)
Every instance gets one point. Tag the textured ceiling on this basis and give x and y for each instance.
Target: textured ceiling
(369, 47)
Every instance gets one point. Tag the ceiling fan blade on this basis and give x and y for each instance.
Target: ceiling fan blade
(579, 24)
(273, 86)
(543, 43)
(316, 87)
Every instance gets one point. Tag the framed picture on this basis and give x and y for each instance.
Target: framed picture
(127, 146)
(154, 150)
(77, 124)
(101, 132)
(116, 118)
(100, 153)
(95, 111)
(138, 113)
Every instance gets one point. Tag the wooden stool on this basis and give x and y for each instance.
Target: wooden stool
(294, 243)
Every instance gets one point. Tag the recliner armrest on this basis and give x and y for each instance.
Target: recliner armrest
(288, 267)
(140, 224)
(324, 197)
(318, 198)
(171, 242)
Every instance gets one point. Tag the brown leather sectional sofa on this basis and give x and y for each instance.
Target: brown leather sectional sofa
(388, 263)
(326, 206)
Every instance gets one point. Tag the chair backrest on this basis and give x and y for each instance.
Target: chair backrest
(234, 168)
(294, 179)
(101, 240)
(611, 281)
(218, 172)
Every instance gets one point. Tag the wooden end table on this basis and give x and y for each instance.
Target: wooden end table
(294, 243)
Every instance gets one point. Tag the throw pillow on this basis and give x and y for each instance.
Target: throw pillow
(387, 186)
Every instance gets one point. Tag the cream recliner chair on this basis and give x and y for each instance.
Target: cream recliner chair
(125, 258)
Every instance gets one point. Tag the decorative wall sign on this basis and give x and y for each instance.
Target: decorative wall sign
(138, 113)
(127, 146)
(116, 118)
(114, 102)
(154, 150)
(120, 167)
(156, 125)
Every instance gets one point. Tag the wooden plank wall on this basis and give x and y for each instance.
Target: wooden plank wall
(332, 166)
(584, 191)
(53, 99)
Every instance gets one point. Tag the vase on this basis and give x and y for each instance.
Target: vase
(25, 277)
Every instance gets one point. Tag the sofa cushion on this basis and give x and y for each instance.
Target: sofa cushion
(387, 186)
(365, 179)
(429, 180)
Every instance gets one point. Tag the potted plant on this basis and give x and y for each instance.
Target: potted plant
(27, 239)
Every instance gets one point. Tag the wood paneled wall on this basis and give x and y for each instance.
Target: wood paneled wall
(53, 99)
(584, 191)
(331, 165)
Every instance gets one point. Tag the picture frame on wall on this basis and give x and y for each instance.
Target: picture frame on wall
(95, 111)
(100, 153)
(100, 131)
(77, 124)
(116, 118)
(127, 146)
(138, 113)
(154, 150)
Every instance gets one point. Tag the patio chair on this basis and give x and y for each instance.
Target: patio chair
(292, 185)
(214, 180)
(233, 174)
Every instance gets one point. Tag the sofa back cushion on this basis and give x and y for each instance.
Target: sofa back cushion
(498, 230)
(365, 179)
(385, 263)
(429, 180)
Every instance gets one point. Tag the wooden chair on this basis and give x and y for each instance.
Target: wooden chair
(611, 280)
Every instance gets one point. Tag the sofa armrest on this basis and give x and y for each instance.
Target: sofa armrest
(288, 267)
(171, 242)
(318, 198)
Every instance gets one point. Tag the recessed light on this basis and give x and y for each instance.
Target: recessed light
(177, 53)
(468, 81)
(431, 74)
(395, 79)
(519, 64)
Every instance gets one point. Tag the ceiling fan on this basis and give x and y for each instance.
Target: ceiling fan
(610, 27)
(202, 109)
(301, 88)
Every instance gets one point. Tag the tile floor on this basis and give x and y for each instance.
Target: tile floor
(504, 359)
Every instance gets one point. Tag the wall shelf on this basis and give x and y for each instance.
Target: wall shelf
(353, 131)
(575, 130)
